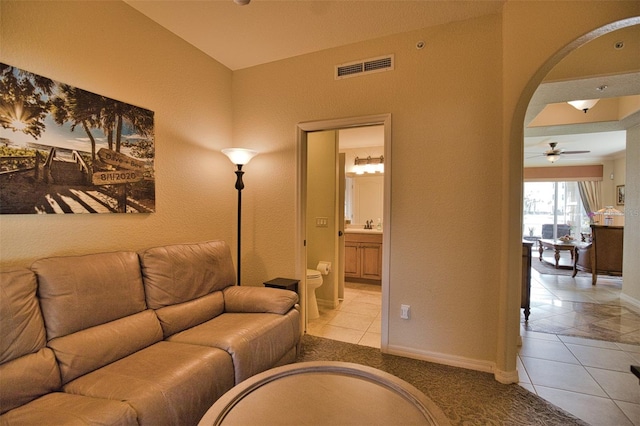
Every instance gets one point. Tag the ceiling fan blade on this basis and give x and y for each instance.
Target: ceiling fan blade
(575, 152)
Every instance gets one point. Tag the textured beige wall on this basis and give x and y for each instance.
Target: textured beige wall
(631, 266)
(444, 184)
(620, 176)
(321, 186)
(455, 214)
(110, 49)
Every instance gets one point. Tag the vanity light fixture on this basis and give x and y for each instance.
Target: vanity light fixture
(239, 157)
(369, 165)
(584, 105)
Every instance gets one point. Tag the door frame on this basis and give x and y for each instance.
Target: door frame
(302, 129)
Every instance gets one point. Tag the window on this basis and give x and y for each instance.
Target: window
(553, 202)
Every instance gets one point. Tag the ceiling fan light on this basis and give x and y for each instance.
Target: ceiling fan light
(552, 158)
(583, 105)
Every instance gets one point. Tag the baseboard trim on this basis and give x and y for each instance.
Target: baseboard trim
(454, 361)
(506, 377)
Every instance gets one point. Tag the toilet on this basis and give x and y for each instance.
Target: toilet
(314, 280)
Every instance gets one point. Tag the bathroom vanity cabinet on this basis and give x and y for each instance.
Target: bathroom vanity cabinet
(363, 256)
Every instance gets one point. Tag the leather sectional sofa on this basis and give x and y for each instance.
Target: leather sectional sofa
(126, 338)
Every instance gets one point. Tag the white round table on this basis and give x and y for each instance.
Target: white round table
(324, 393)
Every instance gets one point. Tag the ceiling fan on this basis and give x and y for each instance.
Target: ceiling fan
(554, 154)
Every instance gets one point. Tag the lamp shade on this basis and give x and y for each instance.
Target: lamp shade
(610, 216)
(239, 156)
(583, 105)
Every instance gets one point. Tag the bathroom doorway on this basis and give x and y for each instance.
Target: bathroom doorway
(307, 223)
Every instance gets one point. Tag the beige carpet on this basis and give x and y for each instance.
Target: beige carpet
(467, 397)
(547, 268)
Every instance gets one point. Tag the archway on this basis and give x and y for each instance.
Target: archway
(517, 137)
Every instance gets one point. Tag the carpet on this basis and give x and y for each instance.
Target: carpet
(467, 397)
(549, 269)
(545, 268)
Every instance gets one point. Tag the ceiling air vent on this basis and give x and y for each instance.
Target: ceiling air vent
(367, 66)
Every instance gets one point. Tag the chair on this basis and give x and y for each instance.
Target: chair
(547, 230)
(603, 255)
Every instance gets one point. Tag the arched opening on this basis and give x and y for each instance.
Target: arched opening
(520, 129)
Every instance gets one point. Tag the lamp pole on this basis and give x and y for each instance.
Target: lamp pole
(239, 157)
(239, 187)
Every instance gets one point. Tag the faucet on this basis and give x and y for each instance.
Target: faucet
(368, 224)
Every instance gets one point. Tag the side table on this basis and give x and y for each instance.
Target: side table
(324, 393)
(283, 283)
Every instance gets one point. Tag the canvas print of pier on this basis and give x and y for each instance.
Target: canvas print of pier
(67, 150)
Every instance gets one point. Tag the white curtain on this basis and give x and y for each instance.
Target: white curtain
(591, 195)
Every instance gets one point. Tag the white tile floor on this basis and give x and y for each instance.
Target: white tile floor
(356, 319)
(585, 377)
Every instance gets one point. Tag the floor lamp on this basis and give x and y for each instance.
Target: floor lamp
(239, 157)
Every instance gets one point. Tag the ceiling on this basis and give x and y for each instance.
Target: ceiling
(270, 30)
(608, 69)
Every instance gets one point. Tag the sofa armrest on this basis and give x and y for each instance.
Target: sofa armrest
(582, 258)
(583, 252)
(259, 300)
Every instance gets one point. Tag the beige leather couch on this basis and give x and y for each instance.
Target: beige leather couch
(125, 338)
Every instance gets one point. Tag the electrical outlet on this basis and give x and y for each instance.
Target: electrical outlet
(404, 311)
(322, 222)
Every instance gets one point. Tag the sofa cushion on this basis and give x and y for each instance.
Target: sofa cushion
(20, 318)
(259, 300)
(60, 408)
(87, 350)
(562, 230)
(78, 292)
(179, 273)
(28, 369)
(166, 384)
(256, 341)
(28, 377)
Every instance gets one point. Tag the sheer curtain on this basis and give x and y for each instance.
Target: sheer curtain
(591, 195)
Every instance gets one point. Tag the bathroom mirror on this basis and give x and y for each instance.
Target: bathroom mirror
(364, 195)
